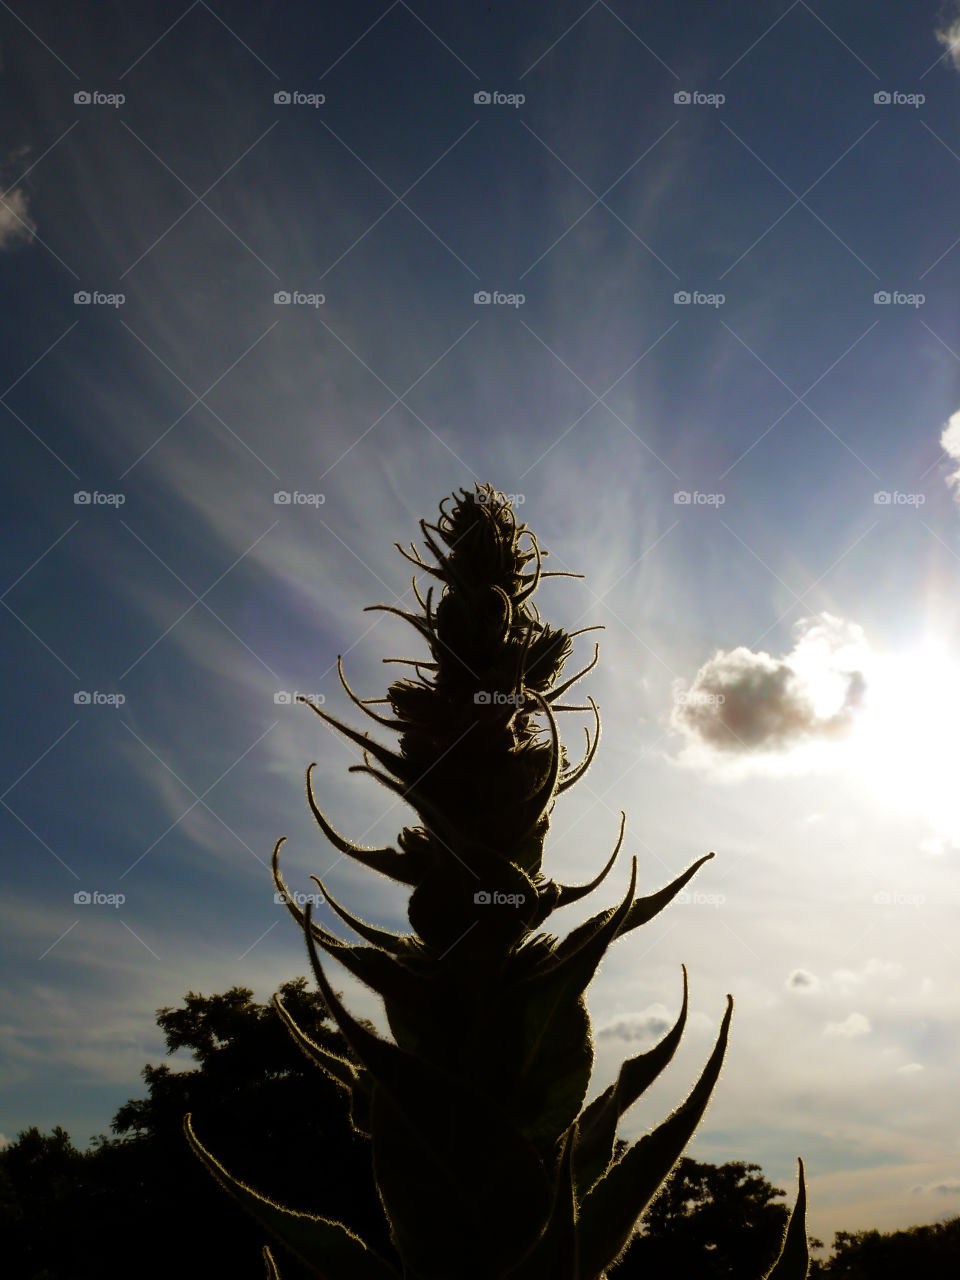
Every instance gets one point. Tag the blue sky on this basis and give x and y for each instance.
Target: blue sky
(719, 369)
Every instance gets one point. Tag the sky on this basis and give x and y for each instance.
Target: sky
(682, 280)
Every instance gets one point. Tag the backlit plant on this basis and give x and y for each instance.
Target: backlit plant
(487, 1163)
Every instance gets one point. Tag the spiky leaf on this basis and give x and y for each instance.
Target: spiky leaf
(333, 1251)
(794, 1260)
(598, 1124)
(610, 1210)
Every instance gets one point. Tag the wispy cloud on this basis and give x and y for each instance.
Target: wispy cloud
(949, 36)
(855, 1024)
(945, 1187)
(17, 227)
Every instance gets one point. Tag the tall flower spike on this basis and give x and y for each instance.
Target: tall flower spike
(482, 1148)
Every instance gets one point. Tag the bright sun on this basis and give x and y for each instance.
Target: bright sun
(904, 740)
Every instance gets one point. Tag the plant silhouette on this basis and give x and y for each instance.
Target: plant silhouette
(486, 1166)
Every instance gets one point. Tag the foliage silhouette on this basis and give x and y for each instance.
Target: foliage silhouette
(69, 1215)
(932, 1252)
(718, 1222)
(481, 1153)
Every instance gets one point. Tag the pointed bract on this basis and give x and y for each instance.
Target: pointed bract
(794, 1260)
(611, 1208)
(329, 1248)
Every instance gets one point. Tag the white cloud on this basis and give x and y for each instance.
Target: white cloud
(950, 38)
(855, 1024)
(845, 979)
(950, 437)
(877, 968)
(910, 1069)
(649, 1025)
(16, 225)
(744, 702)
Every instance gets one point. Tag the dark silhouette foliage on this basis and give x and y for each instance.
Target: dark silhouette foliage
(69, 1215)
(929, 1253)
(718, 1222)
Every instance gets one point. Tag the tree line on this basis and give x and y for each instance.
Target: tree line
(140, 1198)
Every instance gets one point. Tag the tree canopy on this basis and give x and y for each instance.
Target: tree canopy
(139, 1201)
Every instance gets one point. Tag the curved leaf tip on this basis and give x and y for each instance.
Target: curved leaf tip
(794, 1260)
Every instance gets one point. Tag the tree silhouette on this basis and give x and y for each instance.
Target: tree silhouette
(69, 1215)
(719, 1222)
(932, 1252)
(480, 1151)
(43, 1196)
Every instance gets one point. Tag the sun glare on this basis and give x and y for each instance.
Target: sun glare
(904, 740)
